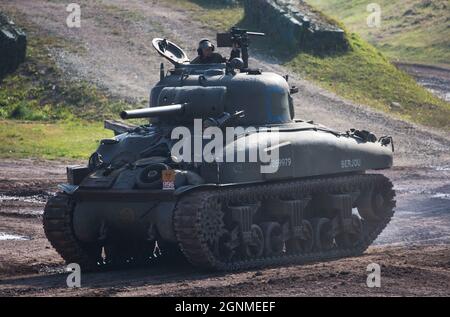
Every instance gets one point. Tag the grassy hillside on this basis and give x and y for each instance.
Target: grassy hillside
(38, 90)
(363, 74)
(44, 115)
(411, 30)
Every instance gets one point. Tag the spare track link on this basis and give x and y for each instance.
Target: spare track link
(189, 235)
(57, 222)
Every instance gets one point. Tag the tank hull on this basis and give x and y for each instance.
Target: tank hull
(316, 219)
(303, 154)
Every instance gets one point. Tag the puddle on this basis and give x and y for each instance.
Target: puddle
(37, 199)
(442, 168)
(428, 192)
(438, 92)
(435, 80)
(408, 190)
(442, 196)
(8, 237)
(437, 86)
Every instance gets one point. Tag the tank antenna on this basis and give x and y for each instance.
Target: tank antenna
(162, 73)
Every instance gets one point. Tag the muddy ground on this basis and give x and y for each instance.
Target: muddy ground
(435, 79)
(414, 251)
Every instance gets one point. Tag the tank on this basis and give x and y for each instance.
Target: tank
(279, 191)
(13, 45)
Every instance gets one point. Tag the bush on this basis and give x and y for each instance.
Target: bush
(22, 112)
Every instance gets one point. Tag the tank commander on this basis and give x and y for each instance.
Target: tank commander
(207, 55)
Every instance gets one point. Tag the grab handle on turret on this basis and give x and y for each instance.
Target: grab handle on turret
(169, 110)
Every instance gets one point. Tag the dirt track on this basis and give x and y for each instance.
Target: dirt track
(414, 250)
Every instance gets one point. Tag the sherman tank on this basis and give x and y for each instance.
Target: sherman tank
(279, 191)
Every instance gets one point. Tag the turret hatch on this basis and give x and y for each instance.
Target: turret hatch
(170, 51)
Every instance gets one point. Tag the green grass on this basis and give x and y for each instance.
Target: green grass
(415, 31)
(40, 91)
(43, 114)
(367, 77)
(63, 139)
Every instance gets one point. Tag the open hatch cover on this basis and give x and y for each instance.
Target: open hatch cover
(170, 51)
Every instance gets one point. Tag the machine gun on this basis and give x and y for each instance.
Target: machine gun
(238, 38)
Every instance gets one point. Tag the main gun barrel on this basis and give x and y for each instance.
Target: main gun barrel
(169, 110)
(256, 33)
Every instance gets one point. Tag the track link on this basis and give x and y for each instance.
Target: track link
(188, 215)
(57, 223)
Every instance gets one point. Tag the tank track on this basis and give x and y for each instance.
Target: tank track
(187, 219)
(57, 221)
